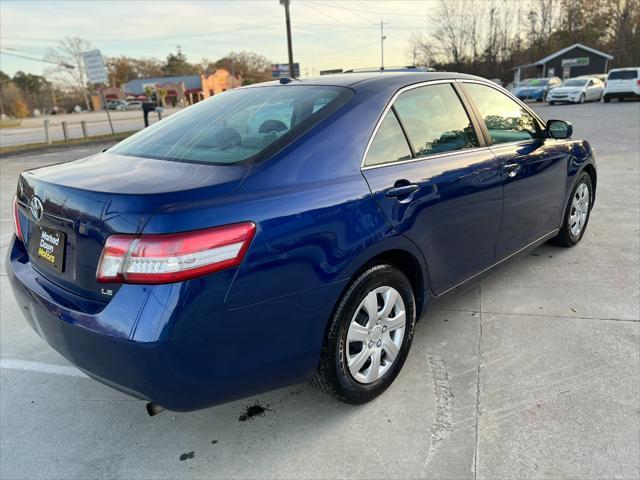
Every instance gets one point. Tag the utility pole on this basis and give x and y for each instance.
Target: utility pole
(382, 39)
(285, 3)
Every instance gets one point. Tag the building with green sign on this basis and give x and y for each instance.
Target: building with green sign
(572, 61)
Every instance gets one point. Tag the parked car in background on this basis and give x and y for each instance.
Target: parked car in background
(576, 90)
(117, 105)
(537, 89)
(134, 105)
(208, 258)
(622, 83)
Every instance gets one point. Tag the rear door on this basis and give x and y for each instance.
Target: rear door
(594, 89)
(436, 182)
(534, 168)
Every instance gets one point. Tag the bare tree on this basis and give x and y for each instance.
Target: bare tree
(68, 53)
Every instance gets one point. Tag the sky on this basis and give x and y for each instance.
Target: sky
(327, 34)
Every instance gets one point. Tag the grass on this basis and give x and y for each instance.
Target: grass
(62, 143)
(10, 123)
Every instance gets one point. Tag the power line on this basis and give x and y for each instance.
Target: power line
(65, 65)
(370, 12)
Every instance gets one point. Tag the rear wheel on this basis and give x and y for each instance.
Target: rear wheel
(577, 214)
(369, 336)
(606, 98)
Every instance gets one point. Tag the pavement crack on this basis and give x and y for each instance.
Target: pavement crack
(477, 414)
(442, 426)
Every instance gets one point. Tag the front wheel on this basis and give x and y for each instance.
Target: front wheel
(551, 102)
(577, 213)
(369, 336)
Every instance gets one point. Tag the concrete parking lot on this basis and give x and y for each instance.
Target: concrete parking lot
(534, 373)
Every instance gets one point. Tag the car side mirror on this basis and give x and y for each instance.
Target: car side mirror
(559, 129)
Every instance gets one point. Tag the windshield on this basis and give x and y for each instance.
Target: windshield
(575, 82)
(236, 125)
(538, 82)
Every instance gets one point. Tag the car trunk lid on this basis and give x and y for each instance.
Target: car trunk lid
(70, 209)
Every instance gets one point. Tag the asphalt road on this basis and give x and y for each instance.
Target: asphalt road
(534, 373)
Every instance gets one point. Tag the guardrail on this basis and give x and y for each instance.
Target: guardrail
(67, 131)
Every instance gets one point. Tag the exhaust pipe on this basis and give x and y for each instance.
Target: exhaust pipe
(154, 409)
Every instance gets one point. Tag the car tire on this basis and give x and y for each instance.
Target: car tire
(581, 99)
(606, 99)
(552, 103)
(577, 213)
(362, 337)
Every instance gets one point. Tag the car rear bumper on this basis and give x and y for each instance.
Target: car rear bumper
(163, 344)
(621, 94)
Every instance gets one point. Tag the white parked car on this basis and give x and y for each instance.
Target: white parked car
(576, 90)
(622, 83)
(134, 105)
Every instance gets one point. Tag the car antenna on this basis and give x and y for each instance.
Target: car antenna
(285, 80)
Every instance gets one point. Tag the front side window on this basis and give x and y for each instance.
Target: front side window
(389, 145)
(506, 120)
(234, 126)
(435, 120)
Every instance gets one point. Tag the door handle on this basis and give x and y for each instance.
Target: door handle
(402, 191)
(511, 169)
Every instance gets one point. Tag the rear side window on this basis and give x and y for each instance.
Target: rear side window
(235, 126)
(389, 145)
(506, 120)
(623, 75)
(435, 120)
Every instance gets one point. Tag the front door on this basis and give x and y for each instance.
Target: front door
(442, 189)
(534, 169)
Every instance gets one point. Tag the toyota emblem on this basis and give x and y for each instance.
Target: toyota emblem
(36, 208)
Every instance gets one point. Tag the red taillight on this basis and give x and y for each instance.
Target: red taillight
(605, 83)
(174, 257)
(16, 220)
(638, 82)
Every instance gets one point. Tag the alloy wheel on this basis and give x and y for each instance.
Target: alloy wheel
(579, 209)
(375, 334)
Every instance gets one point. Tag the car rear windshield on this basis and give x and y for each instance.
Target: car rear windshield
(623, 75)
(237, 125)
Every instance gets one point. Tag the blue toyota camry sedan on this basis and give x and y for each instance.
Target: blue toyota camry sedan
(288, 231)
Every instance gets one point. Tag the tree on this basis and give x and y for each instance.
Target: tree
(252, 67)
(12, 100)
(624, 31)
(4, 78)
(120, 70)
(36, 90)
(148, 67)
(68, 53)
(162, 94)
(177, 65)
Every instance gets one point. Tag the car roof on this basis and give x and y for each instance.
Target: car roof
(379, 78)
